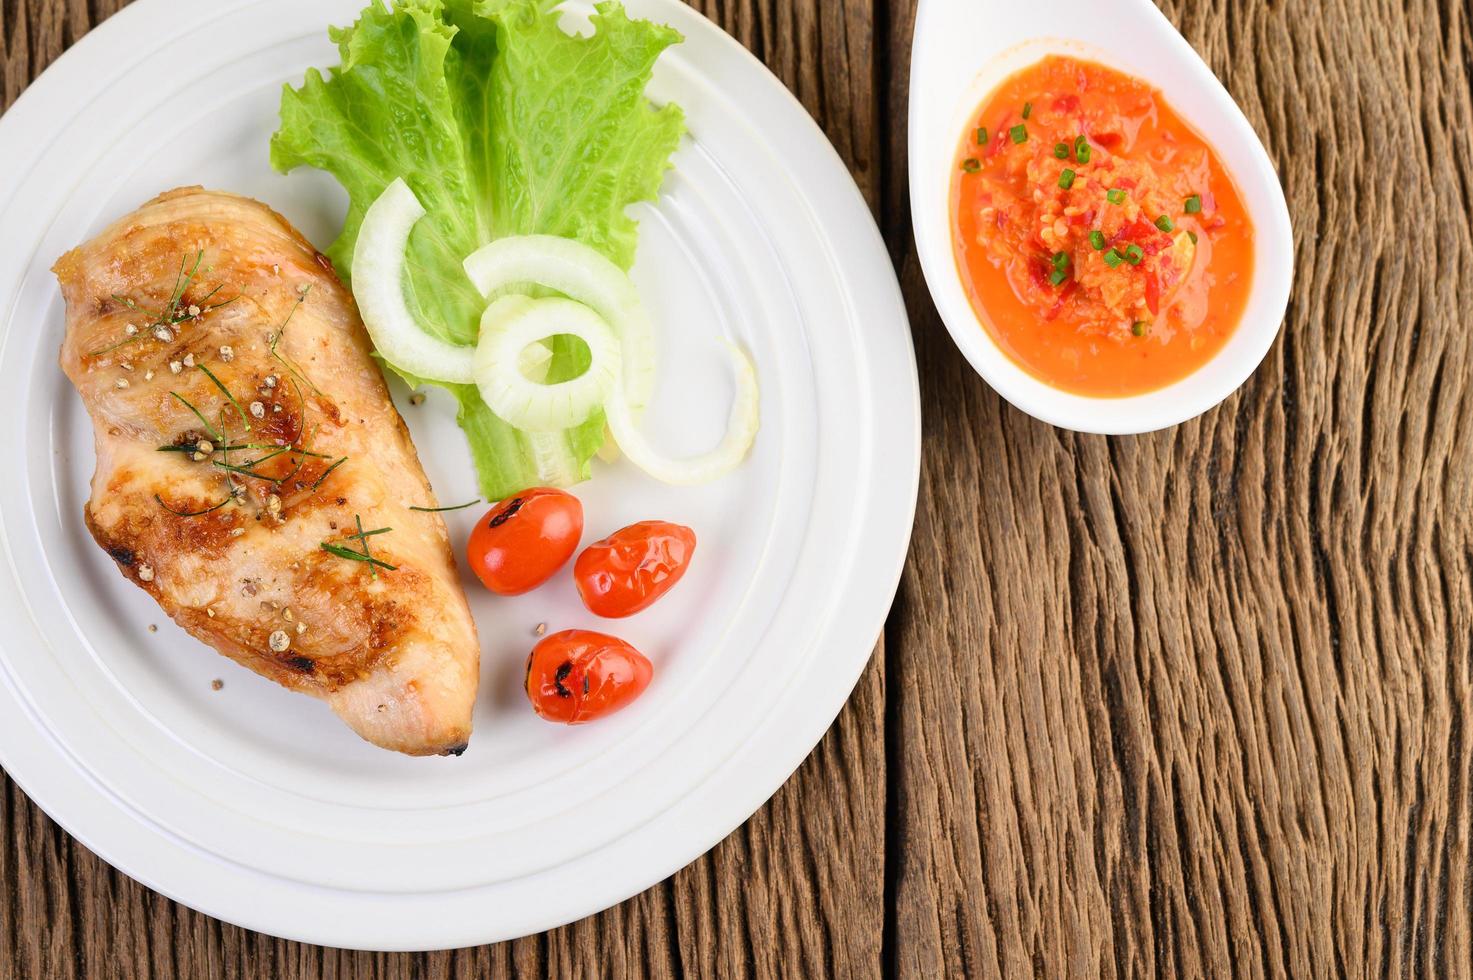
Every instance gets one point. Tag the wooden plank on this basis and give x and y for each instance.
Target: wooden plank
(1205, 701)
(751, 905)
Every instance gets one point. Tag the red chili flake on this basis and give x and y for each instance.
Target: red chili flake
(1153, 293)
(1143, 233)
(1038, 271)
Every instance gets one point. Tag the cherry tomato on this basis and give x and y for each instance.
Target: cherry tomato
(523, 540)
(578, 675)
(631, 568)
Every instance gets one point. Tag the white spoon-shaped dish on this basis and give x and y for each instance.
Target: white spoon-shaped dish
(962, 50)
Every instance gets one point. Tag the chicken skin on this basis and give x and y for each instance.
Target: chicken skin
(253, 475)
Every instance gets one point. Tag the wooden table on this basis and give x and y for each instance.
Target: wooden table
(1189, 703)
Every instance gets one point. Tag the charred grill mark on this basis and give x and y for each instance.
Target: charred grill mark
(302, 665)
(564, 669)
(123, 556)
(502, 516)
(456, 750)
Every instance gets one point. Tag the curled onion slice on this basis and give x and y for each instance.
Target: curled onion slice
(513, 323)
(378, 286)
(582, 274)
(741, 431)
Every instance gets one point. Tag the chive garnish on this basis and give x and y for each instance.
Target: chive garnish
(276, 339)
(1097, 240)
(1115, 196)
(1027, 109)
(1081, 150)
(363, 537)
(243, 471)
(1066, 178)
(1193, 205)
(1193, 236)
(1061, 151)
(1019, 133)
(245, 419)
(1139, 328)
(351, 555)
(1113, 258)
(210, 430)
(971, 165)
(328, 472)
(366, 555)
(1058, 276)
(170, 315)
(981, 135)
(1060, 260)
(192, 513)
(1134, 254)
(437, 510)
(1164, 223)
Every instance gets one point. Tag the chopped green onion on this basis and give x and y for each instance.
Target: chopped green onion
(1027, 109)
(1060, 260)
(1115, 196)
(971, 165)
(1019, 133)
(981, 135)
(1139, 328)
(1058, 276)
(1112, 258)
(1193, 236)
(1061, 151)
(1193, 205)
(1066, 178)
(1134, 254)
(1081, 150)
(1097, 239)
(1164, 223)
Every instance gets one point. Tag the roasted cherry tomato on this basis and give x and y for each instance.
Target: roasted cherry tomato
(630, 569)
(523, 540)
(579, 675)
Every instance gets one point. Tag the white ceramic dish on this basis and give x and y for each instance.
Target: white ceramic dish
(256, 805)
(962, 50)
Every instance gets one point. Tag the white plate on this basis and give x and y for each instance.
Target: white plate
(258, 806)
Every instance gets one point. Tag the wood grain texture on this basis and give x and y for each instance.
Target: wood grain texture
(1185, 704)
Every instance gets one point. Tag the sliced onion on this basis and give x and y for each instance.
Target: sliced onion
(513, 323)
(378, 286)
(583, 274)
(741, 431)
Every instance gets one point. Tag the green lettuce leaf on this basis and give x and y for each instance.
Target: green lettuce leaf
(502, 124)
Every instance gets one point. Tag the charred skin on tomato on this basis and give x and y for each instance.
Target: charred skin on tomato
(522, 541)
(578, 676)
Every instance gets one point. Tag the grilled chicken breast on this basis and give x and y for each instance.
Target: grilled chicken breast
(240, 425)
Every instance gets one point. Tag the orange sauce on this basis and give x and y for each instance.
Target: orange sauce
(1101, 242)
